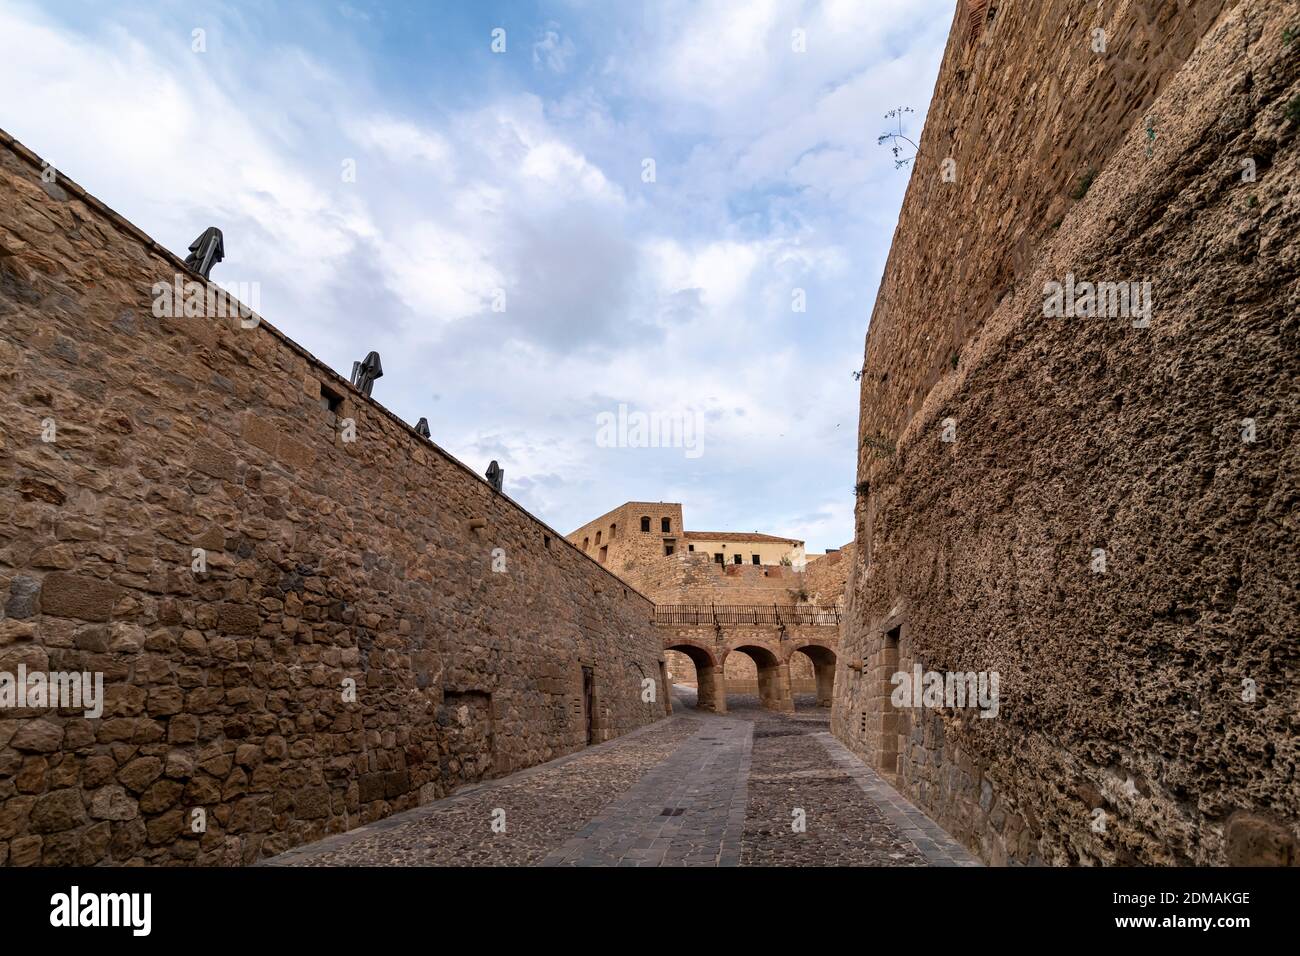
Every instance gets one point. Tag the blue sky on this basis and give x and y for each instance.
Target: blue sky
(520, 174)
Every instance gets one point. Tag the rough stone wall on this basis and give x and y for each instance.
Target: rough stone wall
(826, 578)
(695, 578)
(630, 548)
(1026, 110)
(325, 561)
(1148, 709)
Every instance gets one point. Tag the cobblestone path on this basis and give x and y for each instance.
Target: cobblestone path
(696, 790)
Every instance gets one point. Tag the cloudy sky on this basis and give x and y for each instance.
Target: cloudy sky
(502, 243)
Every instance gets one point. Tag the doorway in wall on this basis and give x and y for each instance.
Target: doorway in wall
(588, 688)
(890, 725)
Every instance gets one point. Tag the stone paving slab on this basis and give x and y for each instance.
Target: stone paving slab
(806, 810)
(932, 840)
(688, 811)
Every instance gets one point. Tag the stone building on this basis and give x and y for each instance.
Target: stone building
(631, 538)
(305, 615)
(757, 644)
(1096, 503)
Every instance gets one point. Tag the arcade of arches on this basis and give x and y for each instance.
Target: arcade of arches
(772, 663)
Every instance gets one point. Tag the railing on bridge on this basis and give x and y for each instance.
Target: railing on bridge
(746, 614)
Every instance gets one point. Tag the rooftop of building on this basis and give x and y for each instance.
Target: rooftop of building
(738, 536)
(695, 535)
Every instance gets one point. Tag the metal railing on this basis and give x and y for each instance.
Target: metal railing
(724, 614)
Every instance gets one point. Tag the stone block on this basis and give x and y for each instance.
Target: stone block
(59, 810)
(210, 460)
(78, 596)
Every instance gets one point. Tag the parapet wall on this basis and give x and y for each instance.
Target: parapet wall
(131, 447)
(693, 577)
(1099, 510)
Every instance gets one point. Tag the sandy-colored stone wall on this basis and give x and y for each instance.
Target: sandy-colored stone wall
(616, 540)
(1102, 513)
(1027, 111)
(132, 445)
(694, 578)
(826, 578)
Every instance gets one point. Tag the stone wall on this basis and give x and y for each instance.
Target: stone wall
(616, 540)
(1074, 503)
(132, 447)
(1027, 112)
(826, 578)
(695, 578)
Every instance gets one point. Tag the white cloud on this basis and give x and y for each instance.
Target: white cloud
(401, 141)
(553, 51)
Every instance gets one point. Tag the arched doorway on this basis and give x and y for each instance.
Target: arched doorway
(823, 667)
(773, 676)
(708, 677)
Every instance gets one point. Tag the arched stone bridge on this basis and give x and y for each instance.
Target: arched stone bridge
(772, 648)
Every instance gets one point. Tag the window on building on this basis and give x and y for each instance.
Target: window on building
(669, 549)
(717, 559)
(604, 554)
(613, 530)
(690, 547)
(737, 559)
(754, 557)
(330, 400)
(597, 538)
(665, 524)
(645, 522)
(586, 544)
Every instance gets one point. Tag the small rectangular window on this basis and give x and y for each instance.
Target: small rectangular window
(717, 559)
(666, 525)
(330, 400)
(756, 561)
(737, 559)
(668, 549)
(690, 547)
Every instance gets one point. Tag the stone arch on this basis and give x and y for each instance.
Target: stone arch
(708, 675)
(773, 675)
(823, 661)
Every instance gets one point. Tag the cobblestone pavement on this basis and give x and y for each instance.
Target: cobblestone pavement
(697, 790)
(812, 803)
(544, 806)
(688, 811)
